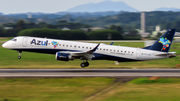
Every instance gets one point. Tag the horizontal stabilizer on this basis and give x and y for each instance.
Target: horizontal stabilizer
(170, 54)
(148, 47)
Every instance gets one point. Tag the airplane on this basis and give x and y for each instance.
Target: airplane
(70, 50)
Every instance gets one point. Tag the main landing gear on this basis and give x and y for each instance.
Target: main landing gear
(19, 57)
(84, 64)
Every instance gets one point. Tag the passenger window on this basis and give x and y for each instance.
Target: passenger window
(59, 44)
(106, 49)
(86, 47)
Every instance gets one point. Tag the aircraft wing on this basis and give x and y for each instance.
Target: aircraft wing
(87, 55)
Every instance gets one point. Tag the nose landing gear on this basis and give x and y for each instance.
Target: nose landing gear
(19, 57)
(84, 64)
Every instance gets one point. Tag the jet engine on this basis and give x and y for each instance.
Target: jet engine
(63, 56)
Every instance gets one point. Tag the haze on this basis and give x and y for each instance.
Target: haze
(53, 6)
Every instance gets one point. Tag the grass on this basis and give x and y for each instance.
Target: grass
(148, 81)
(151, 91)
(8, 59)
(5, 38)
(51, 89)
(80, 89)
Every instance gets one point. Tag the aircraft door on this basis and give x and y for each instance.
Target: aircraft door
(138, 52)
(24, 41)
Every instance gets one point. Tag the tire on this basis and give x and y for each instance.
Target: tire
(86, 64)
(19, 57)
(83, 65)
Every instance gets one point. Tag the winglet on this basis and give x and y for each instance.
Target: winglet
(93, 50)
(112, 43)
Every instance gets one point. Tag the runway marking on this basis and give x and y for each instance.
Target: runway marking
(88, 72)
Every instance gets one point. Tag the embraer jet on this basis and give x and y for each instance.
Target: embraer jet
(70, 50)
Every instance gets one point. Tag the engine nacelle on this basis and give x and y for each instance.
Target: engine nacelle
(63, 56)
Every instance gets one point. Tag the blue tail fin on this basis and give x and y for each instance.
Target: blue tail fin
(163, 44)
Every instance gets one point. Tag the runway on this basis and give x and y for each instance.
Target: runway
(88, 72)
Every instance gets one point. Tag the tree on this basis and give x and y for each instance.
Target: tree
(104, 35)
(9, 25)
(117, 28)
(133, 35)
(42, 25)
(1, 33)
(54, 33)
(159, 35)
(20, 25)
(30, 25)
(10, 33)
(62, 21)
(113, 27)
(50, 26)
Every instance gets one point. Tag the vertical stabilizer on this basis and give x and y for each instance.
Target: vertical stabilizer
(163, 44)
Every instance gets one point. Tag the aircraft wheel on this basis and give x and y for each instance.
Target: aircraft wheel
(19, 57)
(83, 65)
(86, 64)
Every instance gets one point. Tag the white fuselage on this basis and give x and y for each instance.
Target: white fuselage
(108, 52)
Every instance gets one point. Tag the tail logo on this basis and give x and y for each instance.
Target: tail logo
(165, 42)
(55, 44)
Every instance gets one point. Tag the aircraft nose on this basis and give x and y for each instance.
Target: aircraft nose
(4, 45)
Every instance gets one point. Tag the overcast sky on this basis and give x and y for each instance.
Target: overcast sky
(53, 6)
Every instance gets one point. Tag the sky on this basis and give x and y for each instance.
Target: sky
(53, 6)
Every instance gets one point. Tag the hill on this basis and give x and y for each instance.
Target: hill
(103, 6)
(4, 19)
(167, 9)
(61, 14)
(130, 20)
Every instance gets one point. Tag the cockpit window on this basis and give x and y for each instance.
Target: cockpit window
(14, 39)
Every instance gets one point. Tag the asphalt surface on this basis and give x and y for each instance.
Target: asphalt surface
(87, 72)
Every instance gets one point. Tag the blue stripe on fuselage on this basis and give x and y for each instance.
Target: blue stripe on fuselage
(98, 56)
